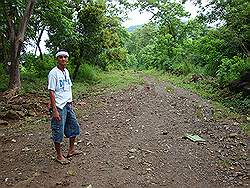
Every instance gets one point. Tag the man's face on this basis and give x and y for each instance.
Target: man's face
(62, 60)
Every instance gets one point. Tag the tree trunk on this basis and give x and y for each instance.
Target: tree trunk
(40, 51)
(38, 42)
(16, 43)
(15, 81)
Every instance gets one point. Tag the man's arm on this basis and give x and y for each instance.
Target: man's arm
(55, 112)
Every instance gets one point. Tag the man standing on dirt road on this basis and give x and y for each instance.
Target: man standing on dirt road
(63, 117)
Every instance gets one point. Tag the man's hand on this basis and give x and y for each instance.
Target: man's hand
(56, 115)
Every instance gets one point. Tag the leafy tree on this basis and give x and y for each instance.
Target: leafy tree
(92, 34)
(15, 33)
(233, 15)
(50, 16)
(141, 37)
(167, 32)
(15, 17)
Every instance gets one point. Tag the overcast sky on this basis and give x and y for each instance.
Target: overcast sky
(135, 18)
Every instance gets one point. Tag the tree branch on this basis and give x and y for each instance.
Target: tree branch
(25, 19)
(10, 20)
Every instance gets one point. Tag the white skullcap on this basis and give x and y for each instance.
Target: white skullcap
(62, 53)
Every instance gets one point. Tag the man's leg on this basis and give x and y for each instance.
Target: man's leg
(71, 130)
(72, 147)
(59, 155)
(57, 135)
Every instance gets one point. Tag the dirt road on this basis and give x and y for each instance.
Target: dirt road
(131, 139)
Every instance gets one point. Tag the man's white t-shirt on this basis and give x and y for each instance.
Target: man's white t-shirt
(59, 81)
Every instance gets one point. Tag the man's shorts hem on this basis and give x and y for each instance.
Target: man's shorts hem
(73, 136)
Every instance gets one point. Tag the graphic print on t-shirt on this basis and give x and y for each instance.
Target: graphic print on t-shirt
(64, 83)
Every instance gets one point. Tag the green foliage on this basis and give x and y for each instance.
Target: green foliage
(141, 37)
(84, 28)
(155, 44)
(57, 16)
(91, 21)
(34, 66)
(192, 47)
(246, 127)
(234, 14)
(206, 51)
(231, 69)
(237, 103)
(88, 74)
(32, 84)
(184, 68)
(93, 35)
(113, 58)
(146, 57)
(131, 61)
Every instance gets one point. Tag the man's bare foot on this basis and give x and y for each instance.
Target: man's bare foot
(74, 152)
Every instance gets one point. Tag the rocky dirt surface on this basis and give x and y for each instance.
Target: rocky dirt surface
(132, 138)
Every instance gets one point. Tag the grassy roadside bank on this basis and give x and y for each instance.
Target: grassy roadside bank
(102, 82)
(107, 81)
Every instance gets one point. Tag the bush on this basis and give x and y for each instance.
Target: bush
(164, 63)
(113, 59)
(131, 61)
(34, 66)
(185, 67)
(182, 68)
(147, 57)
(231, 69)
(88, 73)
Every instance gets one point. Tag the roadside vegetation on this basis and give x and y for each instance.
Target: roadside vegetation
(208, 54)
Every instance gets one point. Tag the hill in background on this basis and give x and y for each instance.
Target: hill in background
(133, 27)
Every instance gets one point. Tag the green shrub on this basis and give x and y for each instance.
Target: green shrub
(185, 67)
(113, 59)
(32, 84)
(114, 66)
(87, 73)
(182, 68)
(131, 61)
(34, 66)
(164, 63)
(231, 69)
(147, 57)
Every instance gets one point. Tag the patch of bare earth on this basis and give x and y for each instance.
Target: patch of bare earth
(132, 138)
